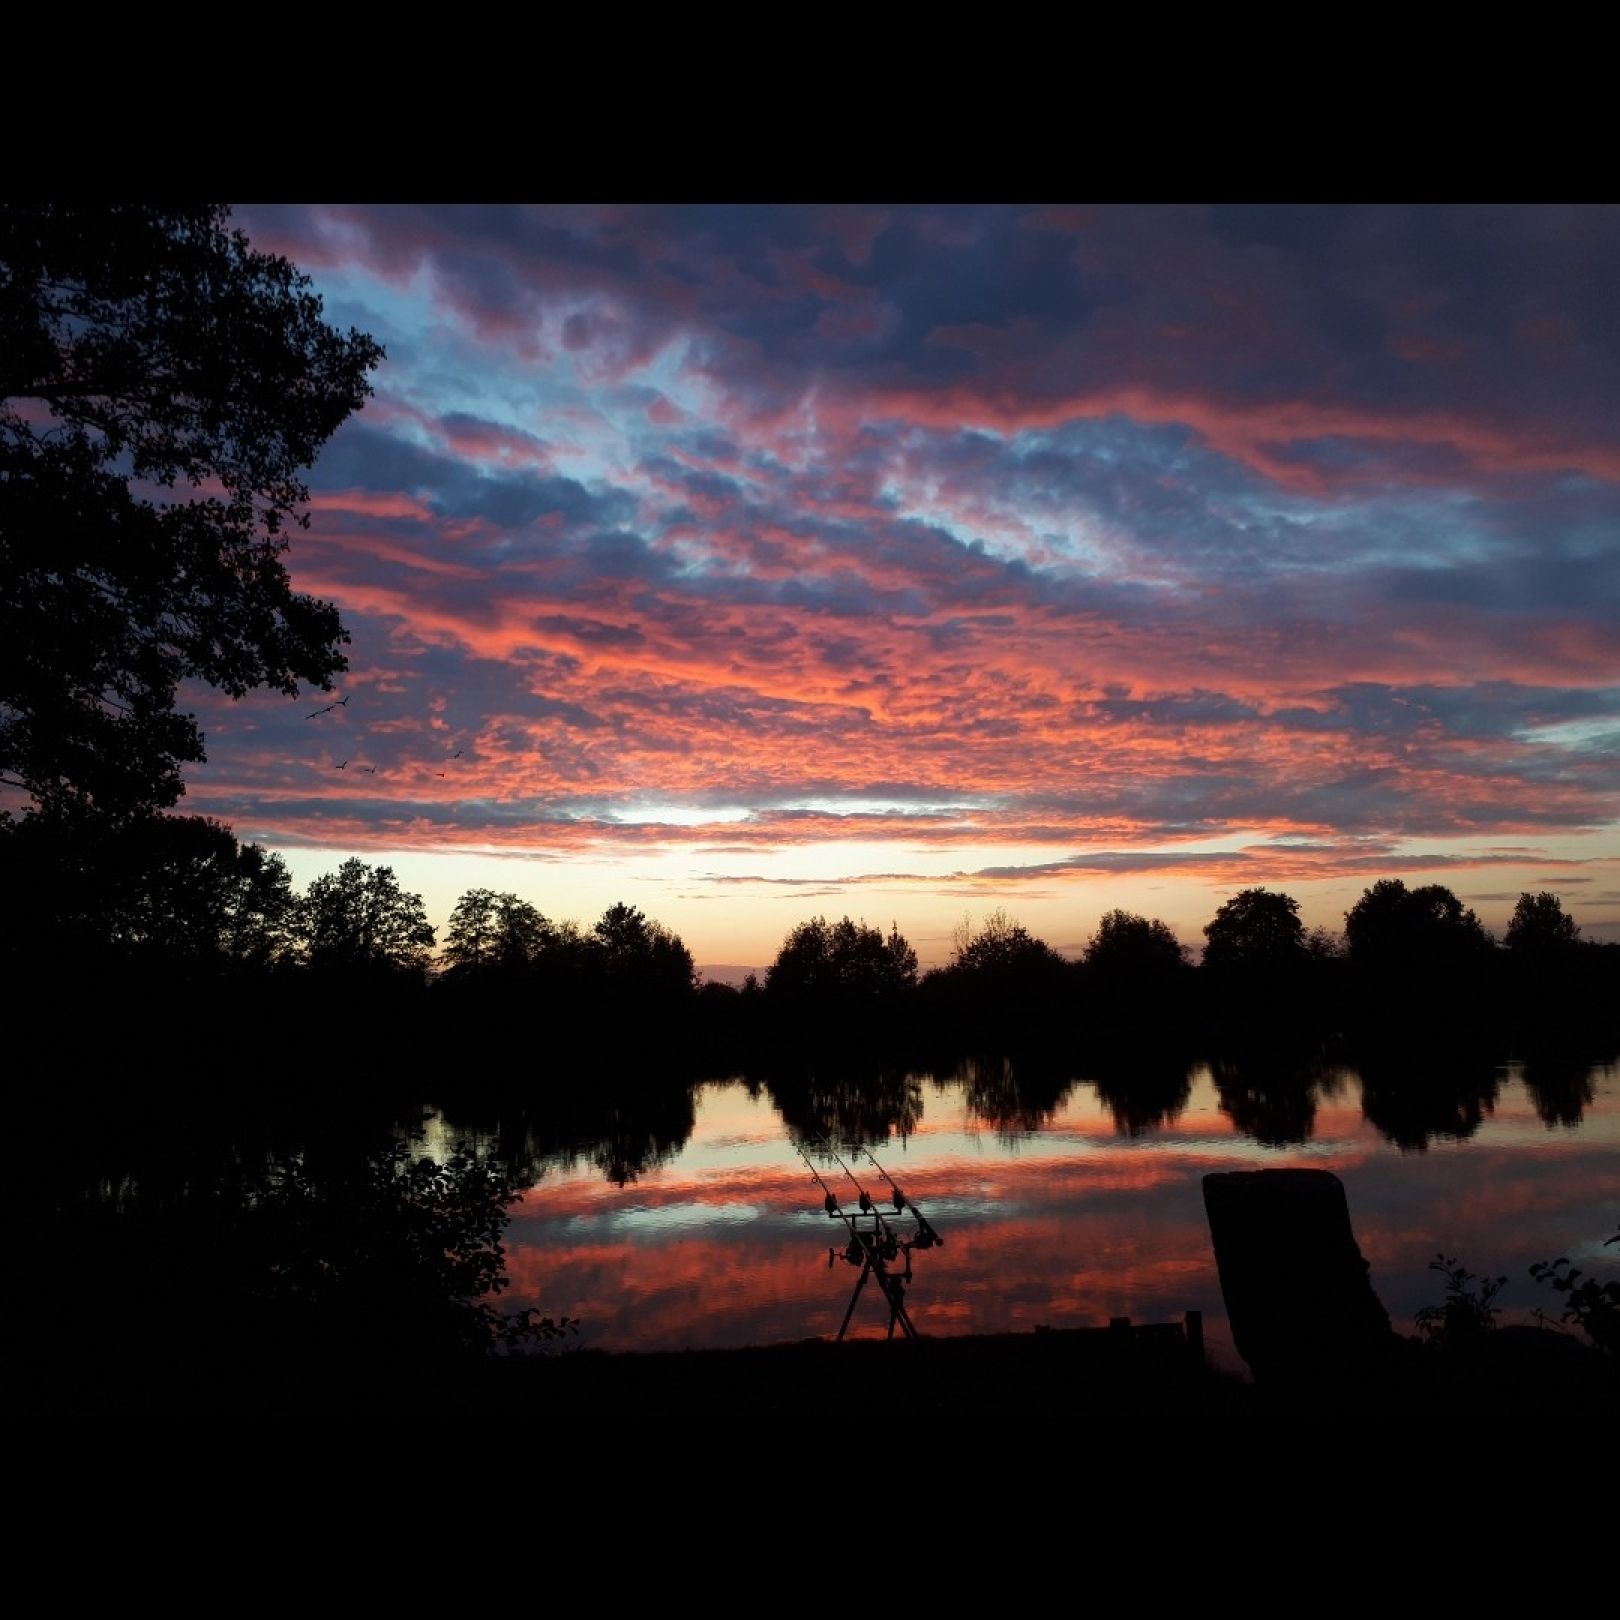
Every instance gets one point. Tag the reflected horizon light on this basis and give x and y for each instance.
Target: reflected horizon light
(1064, 1226)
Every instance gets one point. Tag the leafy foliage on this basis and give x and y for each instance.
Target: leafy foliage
(1396, 927)
(1591, 1306)
(1540, 925)
(391, 1253)
(1126, 944)
(1468, 1308)
(1001, 947)
(358, 919)
(161, 387)
(1255, 929)
(180, 889)
(490, 930)
(642, 955)
(844, 961)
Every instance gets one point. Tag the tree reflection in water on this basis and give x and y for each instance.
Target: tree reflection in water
(1562, 1089)
(1413, 1098)
(625, 1131)
(266, 1235)
(848, 1105)
(1013, 1096)
(1271, 1095)
(220, 1262)
(1144, 1092)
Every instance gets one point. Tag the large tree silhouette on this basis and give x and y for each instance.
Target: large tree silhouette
(1126, 945)
(844, 962)
(1394, 927)
(494, 931)
(1255, 929)
(176, 891)
(162, 386)
(642, 952)
(358, 919)
(1541, 926)
(1002, 948)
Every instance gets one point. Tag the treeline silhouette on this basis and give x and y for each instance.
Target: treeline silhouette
(167, 929)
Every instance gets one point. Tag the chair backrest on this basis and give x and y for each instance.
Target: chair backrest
(1297, 1289)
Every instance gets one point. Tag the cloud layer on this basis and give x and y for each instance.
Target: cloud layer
(1271, 539)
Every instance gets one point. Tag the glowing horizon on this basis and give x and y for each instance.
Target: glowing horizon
(749, 563)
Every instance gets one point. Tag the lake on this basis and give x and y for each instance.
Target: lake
(1064, 1215)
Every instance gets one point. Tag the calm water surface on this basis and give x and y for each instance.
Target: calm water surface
(726, 1242)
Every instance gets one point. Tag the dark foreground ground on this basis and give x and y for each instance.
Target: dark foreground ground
(1089, 1375)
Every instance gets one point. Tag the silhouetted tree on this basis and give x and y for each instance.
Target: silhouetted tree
(1421, 971)
(391, 1253)
(252, 1257)
(1003, 989)
(1126, 945)
(1400, 927)
(179, 891)
(359, 919)
(1561, 993)
(1001, 947)
(1541, 926)
(489, 930)
(1263, 986)
(1135, 985)
(198, 894)
(1255, 929)
(843, 962)
(642, 957)
(161, 388)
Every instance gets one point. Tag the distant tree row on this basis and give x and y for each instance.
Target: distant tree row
(498, 944)
(180, 891)
(171, 898)
(185, 886)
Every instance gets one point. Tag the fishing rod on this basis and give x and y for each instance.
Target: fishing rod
(830, 1202)
(871, 1250)
(834, 1210)
(867, 1206)
(880, 1249)
(892, 1243)
(930, 1238)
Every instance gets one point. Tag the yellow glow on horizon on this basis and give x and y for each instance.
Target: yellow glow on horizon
(710, 895)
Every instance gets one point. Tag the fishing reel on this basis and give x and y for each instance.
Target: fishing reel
(853, 1253)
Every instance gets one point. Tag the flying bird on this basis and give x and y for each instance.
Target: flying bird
(370, 770)
(344, 765)
(458, 753)
(342, 702)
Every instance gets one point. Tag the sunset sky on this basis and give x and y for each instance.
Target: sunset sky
(745, 563)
